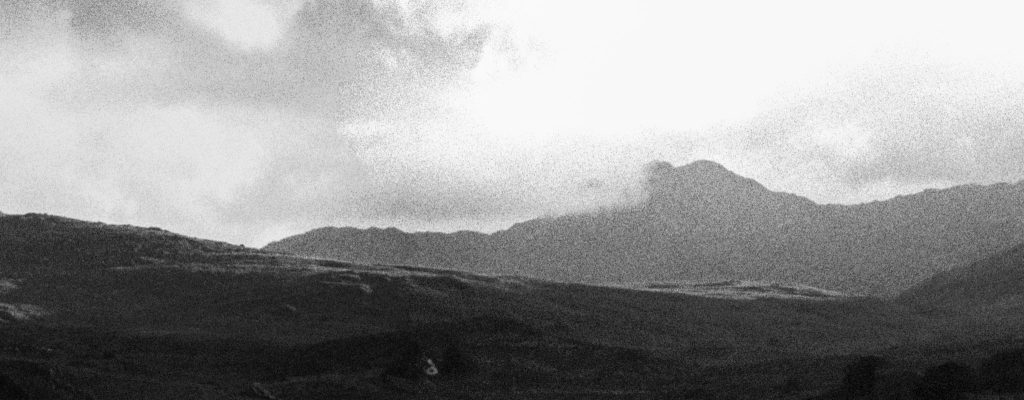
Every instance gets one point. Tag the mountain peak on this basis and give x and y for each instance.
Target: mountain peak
(697, 169)
(700, 176)
(702, 182)
(705, 165)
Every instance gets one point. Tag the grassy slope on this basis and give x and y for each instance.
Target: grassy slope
(983, 298)
(187, 331)
(175, 317)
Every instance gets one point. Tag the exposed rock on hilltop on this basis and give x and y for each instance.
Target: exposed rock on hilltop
(702, 222)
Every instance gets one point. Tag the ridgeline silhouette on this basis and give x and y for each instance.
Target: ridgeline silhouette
(702, 222)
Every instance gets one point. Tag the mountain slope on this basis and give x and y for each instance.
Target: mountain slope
(46, 240)
(703, 222)
(992, 281)
(126, 312)
(163, 282)
(984, 298)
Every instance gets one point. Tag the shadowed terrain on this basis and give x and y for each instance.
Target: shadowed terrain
(94, 311)
(984, 296)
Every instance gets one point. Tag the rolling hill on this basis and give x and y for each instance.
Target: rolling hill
(983, 298)
(41, 240)
(103, 311)
(147, 280)
(998, 278)
(701, 222)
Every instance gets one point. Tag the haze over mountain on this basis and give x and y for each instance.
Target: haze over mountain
(702, 222)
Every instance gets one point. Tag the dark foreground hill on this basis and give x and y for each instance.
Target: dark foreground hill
(92, 311)
(47, 240)
(986, 295)
(703, 222)
(998, 278)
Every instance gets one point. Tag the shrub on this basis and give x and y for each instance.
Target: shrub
(455, 362)
(947, 381)
(791, 385)
(1004, 372)
(406, 362)
(861, 375)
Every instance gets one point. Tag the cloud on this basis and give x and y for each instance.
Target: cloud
(249, 24)
(893, 128)
(244, 120)
(141, 112)
(336, 58)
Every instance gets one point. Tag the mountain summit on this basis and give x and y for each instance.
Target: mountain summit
(699, 178)
(702, 222)
(700, 170)
(708, 188)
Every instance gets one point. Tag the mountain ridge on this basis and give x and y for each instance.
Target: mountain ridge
(701, 221)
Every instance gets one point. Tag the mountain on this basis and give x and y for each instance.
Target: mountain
(96, 311)
(701, 222)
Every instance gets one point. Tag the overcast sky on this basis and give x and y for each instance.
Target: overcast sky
(250, 120)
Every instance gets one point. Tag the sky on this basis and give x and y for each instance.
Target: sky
(251, 120)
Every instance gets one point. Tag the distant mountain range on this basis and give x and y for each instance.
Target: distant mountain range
(701, 222)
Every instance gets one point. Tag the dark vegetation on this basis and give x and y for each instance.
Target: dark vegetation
(860, 376)
(998, 376)
(1004, 372)
(948, 381)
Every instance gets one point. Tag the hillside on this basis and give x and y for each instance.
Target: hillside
(47, 240)
(701, 222)
(152, 314)
(992, 285)
(179, 284)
